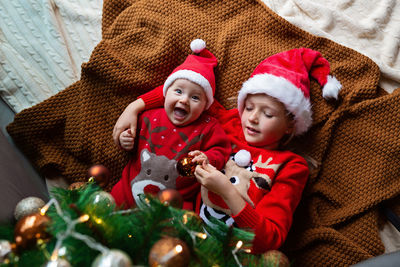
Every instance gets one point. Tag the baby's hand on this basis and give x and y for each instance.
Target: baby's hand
(126, 139)
(199, 157)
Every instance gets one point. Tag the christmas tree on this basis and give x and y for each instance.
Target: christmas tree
(82, 226)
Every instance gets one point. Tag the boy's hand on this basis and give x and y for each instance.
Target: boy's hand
(212, 179)
(199, 157)
(126, 139)
(128, 119)
(217, 182)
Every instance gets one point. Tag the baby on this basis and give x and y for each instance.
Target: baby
(165, 135)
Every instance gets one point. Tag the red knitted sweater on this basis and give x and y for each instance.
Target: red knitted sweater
(159, 146)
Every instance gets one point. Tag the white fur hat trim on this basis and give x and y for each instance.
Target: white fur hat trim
(283, 90)
(193, 77)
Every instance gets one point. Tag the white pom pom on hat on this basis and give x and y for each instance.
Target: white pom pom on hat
(197, 45)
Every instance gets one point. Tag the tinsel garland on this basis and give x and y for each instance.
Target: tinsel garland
(82, 227)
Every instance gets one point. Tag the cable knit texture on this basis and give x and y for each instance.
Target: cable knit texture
(356, 139)
(370, 27)
(42, 47)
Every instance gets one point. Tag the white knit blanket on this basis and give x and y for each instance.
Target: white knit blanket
(367, 26)
(42, 46)
(44, 42)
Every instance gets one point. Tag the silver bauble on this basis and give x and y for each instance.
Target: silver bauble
(112, 258)
(28, 206)
(58, 263)
(5, 248)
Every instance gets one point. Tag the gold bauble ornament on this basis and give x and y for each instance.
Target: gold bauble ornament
(30, 229)
(186, 166)
(112, 258)
(171, 197)
(28, 206)
(76, 186)
(276, 258)
(169, 252)
(100, 174)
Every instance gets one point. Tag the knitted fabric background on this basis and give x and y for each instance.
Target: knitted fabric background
(355, 139)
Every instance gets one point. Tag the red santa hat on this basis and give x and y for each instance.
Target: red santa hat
(198, 69)
(285, 76)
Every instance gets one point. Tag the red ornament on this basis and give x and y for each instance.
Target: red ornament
(171, 197)
(186, 166)
(100, 174)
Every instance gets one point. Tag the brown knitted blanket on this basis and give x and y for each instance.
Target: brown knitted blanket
(356, 139)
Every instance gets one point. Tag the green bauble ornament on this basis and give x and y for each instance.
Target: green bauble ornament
(102, 197)
(112, 258)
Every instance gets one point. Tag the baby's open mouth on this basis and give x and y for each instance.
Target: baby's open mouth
(180, 113)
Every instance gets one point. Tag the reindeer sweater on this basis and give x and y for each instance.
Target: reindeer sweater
(159, 145)
(272, 183)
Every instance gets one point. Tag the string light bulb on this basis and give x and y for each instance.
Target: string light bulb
(178, 248)
(84, 218)
(202, 235)
(239, 244)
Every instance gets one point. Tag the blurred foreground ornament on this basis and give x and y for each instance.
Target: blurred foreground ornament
(30, 229)
(102, 197)
(112, 258)
(171, 197)
(28, 206)
(59, 262)
(169, 252)
(186, 166)
(76, 185)
(5, 249)
(276, 258)
(100, 174)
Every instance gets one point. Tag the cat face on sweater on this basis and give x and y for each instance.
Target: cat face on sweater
(184, 102)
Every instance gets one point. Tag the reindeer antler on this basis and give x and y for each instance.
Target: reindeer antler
(266, 165)
(185, 150)
(155, 130)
